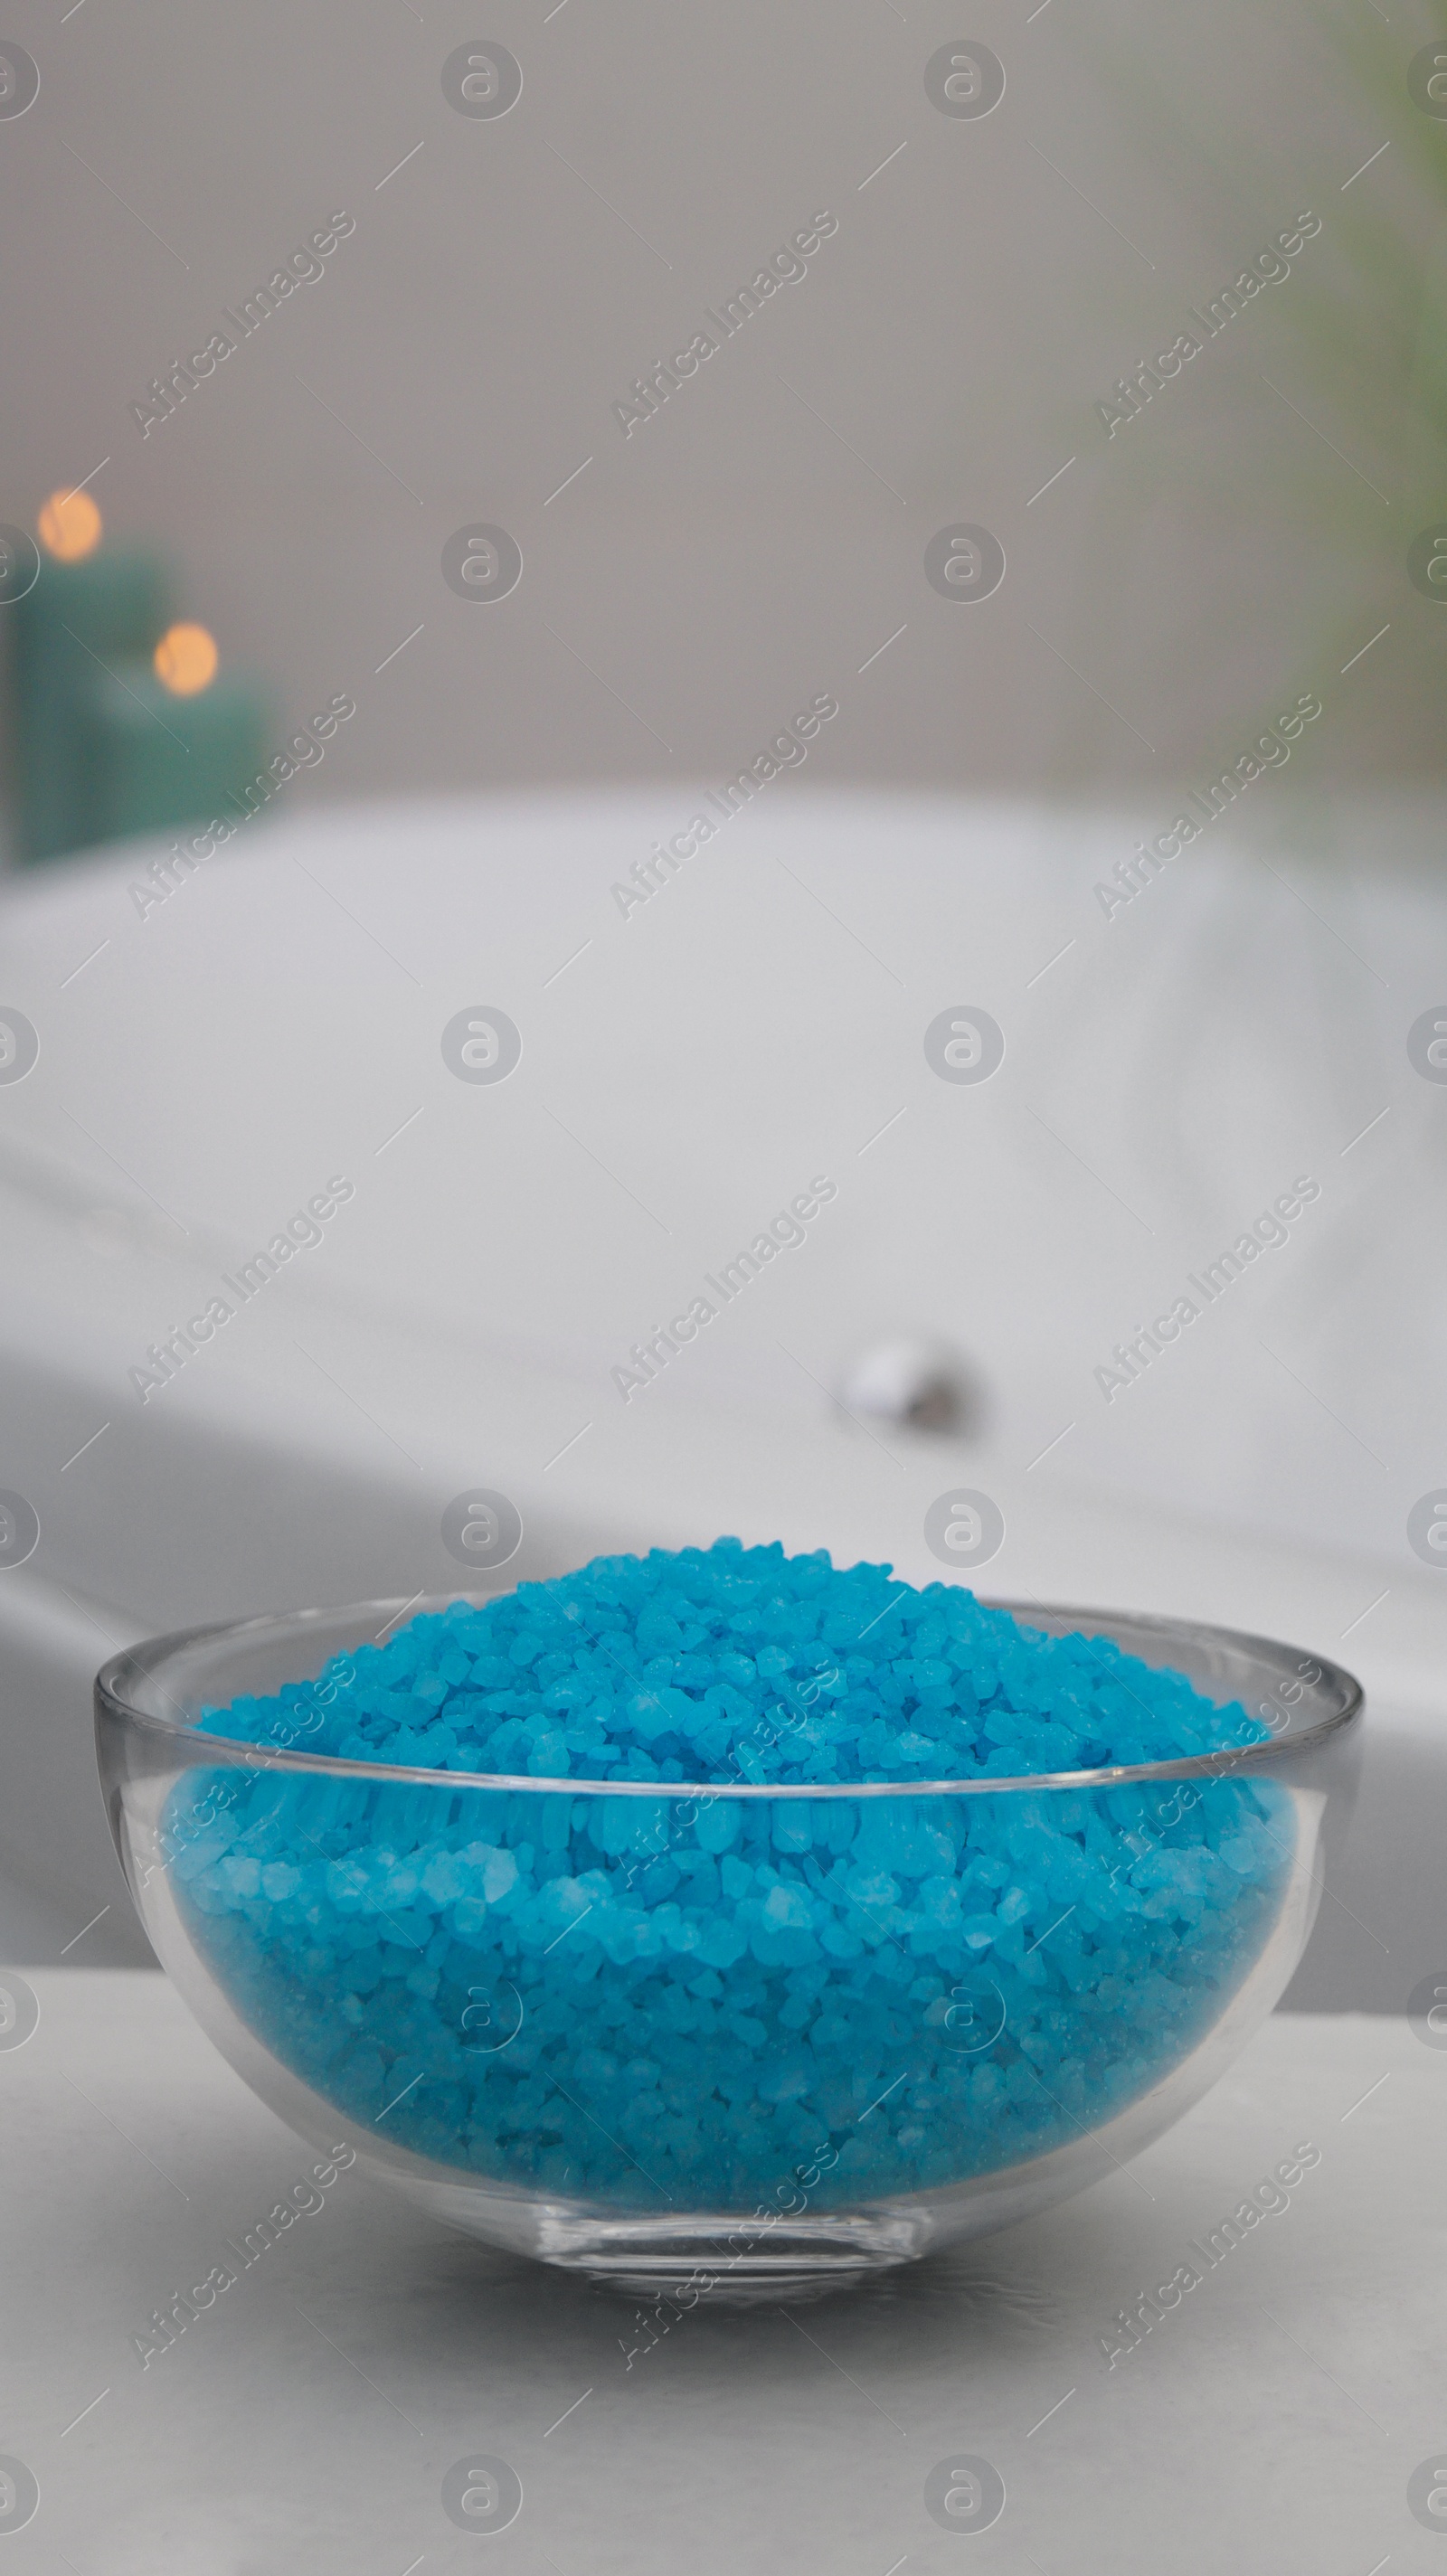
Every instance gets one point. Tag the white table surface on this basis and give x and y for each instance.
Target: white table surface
(307, 2420)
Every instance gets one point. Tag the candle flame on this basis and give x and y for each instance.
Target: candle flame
(185, 660)
(69, 526)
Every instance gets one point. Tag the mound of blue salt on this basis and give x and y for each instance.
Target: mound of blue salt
(600, 1957)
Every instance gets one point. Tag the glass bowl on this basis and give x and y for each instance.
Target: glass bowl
(728, 2042)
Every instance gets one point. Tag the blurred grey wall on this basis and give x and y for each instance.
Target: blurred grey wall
(688, 583)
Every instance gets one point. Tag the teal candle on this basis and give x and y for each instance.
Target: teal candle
(156, 761)
(80, 621)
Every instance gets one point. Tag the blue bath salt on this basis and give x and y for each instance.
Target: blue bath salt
(669, 1997)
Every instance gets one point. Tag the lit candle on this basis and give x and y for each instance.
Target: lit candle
(173, 749)
(87, 611)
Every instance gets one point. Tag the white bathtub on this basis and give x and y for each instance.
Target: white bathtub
(213, 1057)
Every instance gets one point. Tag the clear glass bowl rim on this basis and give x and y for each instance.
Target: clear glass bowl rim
(115, 1682)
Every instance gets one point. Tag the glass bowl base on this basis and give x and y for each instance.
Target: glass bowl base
(731, 2261)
